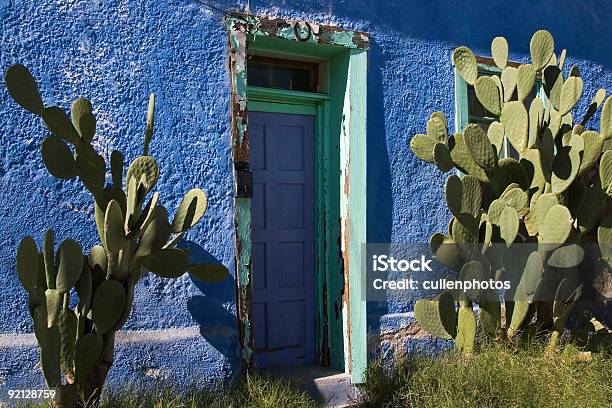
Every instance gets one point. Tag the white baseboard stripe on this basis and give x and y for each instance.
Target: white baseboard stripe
(14, 340)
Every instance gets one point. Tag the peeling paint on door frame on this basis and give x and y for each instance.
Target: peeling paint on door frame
(352, 141)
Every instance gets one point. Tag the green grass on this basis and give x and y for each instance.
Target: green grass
(252, 392)
(495, 377)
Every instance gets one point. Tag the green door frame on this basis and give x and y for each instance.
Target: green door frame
(341, 167)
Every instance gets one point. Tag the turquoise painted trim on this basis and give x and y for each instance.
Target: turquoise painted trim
(462, 117)
(286, 96)
(258, 106)
(329, 298)
(243, 230)
(356, 132)
(345, 119)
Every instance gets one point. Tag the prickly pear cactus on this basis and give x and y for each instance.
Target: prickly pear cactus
(136, 237)
(554, 196)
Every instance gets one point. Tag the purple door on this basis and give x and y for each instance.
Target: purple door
(283, 258)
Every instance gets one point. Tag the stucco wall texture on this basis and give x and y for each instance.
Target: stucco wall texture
(115, 52)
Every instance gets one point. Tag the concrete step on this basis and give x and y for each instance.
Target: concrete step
(330, 386)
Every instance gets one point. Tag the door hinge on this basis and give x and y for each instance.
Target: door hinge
(243, 187)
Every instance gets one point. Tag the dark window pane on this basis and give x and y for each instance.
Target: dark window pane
(282, 74)
(475, 108)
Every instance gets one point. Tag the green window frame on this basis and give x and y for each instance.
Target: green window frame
(463, 117)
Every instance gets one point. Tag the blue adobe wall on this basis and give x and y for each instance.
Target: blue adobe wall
(116, 52)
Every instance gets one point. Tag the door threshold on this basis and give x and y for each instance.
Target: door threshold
(332, 387)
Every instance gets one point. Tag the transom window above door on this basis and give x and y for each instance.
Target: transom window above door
(291, 75)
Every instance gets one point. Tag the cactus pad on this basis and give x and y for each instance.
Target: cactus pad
(489, 316)
(54, 300)
(590, 209)
(531, 277)
(114, 234)
(605, 172)
(441, 116)
(92, 168)
(515, 119)
(67, 324)
(604, 235)
(495, 133)
(453, 191)
(536, 119)
(541, 207)
(531, 162)
(598, 100)
(23, 89)
(480, 146)
(525, 80)
(465, 63)
(508, 225)
(156, 234)
(605, 128)
(541, 47)
(571, 91)
(58, 158)
(593, 144)
(474, 271)
(509, 77)
(568, 256)
(150, 122)
(465, 229)
(557, 225)
(519, 316)
(463, 195)
(60, 125)
(437, 317)
(488, 94)
(515, 198)
(499, 51)
(463, 159)
(49, 258)
(190, 210)
(565, 168)
(116, 164)
(87, 354)
(436, 128)
(108, 305)
(442, 157)
(466, 330)
(83, 119)
(562, 58)
(144, 166)
(84, 289)
(70, 265)
(422, 146)
(509, 171)
(27, 263)
(553, 83)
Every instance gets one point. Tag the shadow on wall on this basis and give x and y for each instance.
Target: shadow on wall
(380, 200)
(217, 324)
(574, 24)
